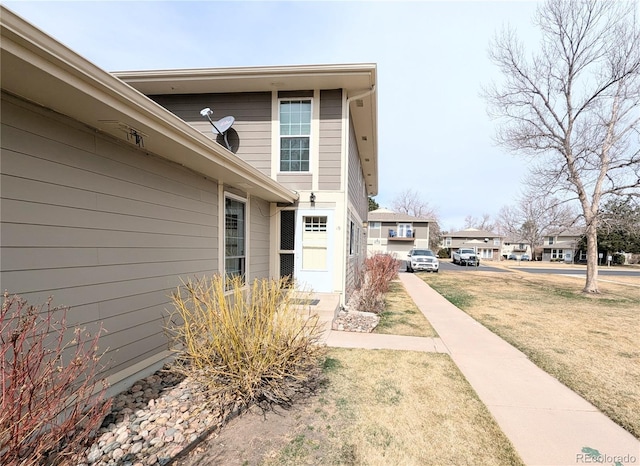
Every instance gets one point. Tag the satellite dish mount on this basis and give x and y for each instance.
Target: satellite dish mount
(221, 126)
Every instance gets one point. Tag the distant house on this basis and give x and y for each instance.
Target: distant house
(394, 233)
(114, 187)
(487, 244)
(562, 247)
(517, 247)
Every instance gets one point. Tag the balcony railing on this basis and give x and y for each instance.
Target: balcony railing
(407, 235)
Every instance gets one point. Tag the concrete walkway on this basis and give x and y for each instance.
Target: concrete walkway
(547, 423)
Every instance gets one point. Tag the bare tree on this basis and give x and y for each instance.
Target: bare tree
(411, 203)
(534, 216)
(482, 223)
(575, 104)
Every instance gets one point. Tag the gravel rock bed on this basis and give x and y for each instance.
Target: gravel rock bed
(355, 321)
(152, 422)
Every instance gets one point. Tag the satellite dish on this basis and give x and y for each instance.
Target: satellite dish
(221, 126)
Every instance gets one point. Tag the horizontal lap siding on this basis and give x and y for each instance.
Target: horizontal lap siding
(252, 113)
(330, 174)
(101, 227)
(357, 188)
(259, 239)
(296, 180)
(358, 208)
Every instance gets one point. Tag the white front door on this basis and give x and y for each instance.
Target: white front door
(314, 249)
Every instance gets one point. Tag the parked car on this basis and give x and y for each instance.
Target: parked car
(512, 257)
(525, 257)
(422, 259)
(466, 256)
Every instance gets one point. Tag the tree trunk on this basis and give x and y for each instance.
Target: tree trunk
(591, 285)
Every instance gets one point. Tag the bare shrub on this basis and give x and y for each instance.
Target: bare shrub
(379, 270)
(245, 346)
(51, 401)
(382, 269)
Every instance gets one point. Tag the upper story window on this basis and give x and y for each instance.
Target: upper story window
(551, 239)
(295, 135)
(496, 241)
(374, 225)
(405, 230)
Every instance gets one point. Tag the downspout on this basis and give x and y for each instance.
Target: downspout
(360, 96)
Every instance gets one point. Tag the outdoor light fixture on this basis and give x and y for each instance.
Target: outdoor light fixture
(312, 198)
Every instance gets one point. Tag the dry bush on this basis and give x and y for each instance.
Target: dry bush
(379, 271)
(244, 346)
(49, 406)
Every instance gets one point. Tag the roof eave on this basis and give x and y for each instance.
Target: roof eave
(358, 80)
(39, 69)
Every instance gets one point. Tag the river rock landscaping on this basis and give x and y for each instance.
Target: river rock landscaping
(165, 414)
(151, 423)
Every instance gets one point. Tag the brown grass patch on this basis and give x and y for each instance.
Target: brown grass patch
(396, 407)
(589, 343)
(401, 316)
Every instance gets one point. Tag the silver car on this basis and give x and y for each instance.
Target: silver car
(422, 259)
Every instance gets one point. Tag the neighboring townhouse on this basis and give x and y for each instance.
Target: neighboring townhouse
(562, 247)
(394, 233)
(515, 247)
(487, 244)
(110, 198)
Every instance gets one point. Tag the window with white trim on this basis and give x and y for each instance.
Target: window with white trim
(405, 230)
(556, 254)
(234, 237)
(352, 240)
(295, 135)
(374, 225)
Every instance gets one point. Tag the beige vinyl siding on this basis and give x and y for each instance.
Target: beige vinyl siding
(354, 262)
(358, 208)
(421, 231)
(101, 226)
(252, 113)
(259, 239)
(330, 150)
(357, 186)
(296, 180)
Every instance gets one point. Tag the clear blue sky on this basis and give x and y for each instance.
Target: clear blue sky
(434, 133)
